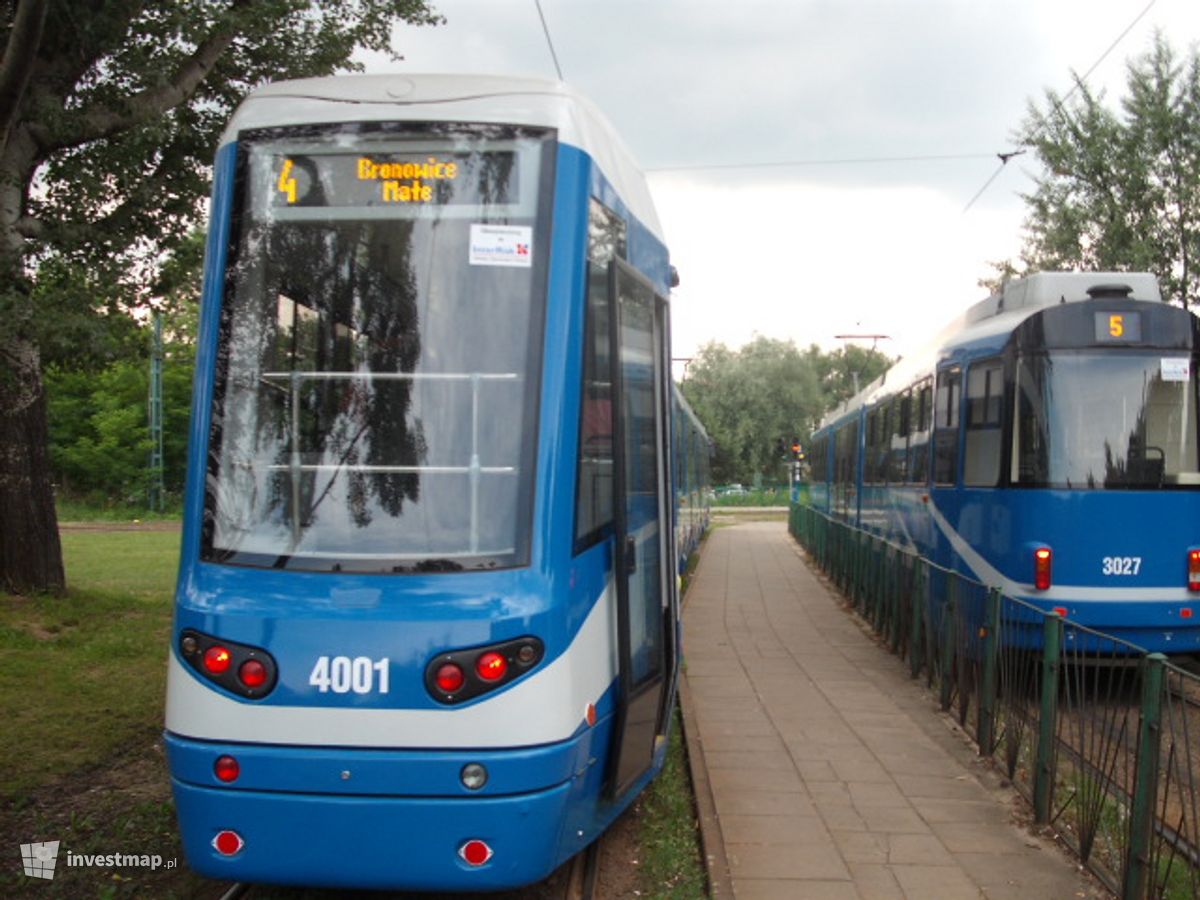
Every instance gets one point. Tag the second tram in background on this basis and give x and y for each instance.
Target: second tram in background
(1045, 444)
(427, 621)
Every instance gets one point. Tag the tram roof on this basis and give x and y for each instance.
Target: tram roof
(453, 98)
(987, 325)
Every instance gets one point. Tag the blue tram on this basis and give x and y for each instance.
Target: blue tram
(426, 630)
(1046, 443)
(692, 455)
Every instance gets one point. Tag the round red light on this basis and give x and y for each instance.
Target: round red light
(252, 673)
(491, 666)
(475, 852)
(449, 678)
(228, 842)
(227, 768)
(217, 659)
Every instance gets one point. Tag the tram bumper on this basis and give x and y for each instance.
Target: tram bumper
(410, 843)
(328, 817)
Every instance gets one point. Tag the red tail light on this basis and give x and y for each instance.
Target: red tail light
(253, 673)
(227, 769)
(227, 842)
(449, 678)
(217, 659)
(459, 676)
(475, 852)
(241, 668)
(1194, 569)
(1042, 559)
(491, 666)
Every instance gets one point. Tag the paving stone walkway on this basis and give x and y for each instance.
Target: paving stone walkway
(823, 770)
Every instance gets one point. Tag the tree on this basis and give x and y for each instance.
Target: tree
(110, 111)
(748, 399)
(1121, 191)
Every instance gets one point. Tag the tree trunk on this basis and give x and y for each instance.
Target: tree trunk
(30, 552)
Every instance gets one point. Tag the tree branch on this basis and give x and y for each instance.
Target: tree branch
(19, 57)
(104, 121)
(29, 227)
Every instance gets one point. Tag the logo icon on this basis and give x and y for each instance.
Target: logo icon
(39, 859)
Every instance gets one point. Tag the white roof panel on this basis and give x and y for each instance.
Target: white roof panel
(453, 98)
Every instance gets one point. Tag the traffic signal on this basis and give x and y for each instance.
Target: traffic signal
(797, 449)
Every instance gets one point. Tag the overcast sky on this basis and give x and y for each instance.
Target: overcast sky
(815, 249)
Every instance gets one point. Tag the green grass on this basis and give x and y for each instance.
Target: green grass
(82, 677)
(668, 830)
(778, 498)
(669, 834)
(73, 509)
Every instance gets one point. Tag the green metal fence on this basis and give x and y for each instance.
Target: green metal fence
(1102, 737)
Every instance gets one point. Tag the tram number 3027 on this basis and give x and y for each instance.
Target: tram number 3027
(343, 675)
(1121, 565)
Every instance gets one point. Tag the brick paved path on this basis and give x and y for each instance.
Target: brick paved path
(826, 772)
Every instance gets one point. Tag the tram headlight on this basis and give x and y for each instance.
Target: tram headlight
(473, 776)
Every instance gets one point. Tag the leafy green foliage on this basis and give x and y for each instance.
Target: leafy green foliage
(99, 431)
(749, 399)
(1121, 189)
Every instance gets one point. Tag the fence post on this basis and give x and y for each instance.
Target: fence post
(988, 682)
(1043, 776)
(1145, 782)
(949, 620)
(916, 642)
(900, 584)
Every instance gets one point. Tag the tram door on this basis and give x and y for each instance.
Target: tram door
(646, 606)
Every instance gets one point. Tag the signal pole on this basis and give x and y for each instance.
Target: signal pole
(157, 484)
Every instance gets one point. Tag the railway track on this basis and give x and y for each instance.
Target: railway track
(575, 880)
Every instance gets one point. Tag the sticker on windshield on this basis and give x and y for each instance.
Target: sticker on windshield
(501, 245)
(1176, 369)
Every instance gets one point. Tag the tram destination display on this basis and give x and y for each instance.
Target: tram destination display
(394, 179)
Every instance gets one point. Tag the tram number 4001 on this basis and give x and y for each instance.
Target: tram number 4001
(343, 675)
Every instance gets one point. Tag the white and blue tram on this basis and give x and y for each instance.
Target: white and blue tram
(1045, 444)
(426, 630)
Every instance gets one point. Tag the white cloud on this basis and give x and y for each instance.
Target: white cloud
(812, 251)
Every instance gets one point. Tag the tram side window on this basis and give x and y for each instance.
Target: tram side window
(918, 447)
(898, 458)
(594, 492)
(985, 394)
(845, 452)
(871, 474)
(879, 453)
(819, 460)
(945, 433)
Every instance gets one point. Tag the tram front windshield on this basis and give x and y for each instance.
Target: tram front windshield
(378, 371)
(1115, 420)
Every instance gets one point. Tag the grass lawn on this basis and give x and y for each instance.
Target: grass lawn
(82, 682)
(82, 676)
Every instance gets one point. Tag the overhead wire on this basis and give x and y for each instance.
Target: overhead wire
(870, 160)
(1079, 82)
(783, 164)
(549, 40)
